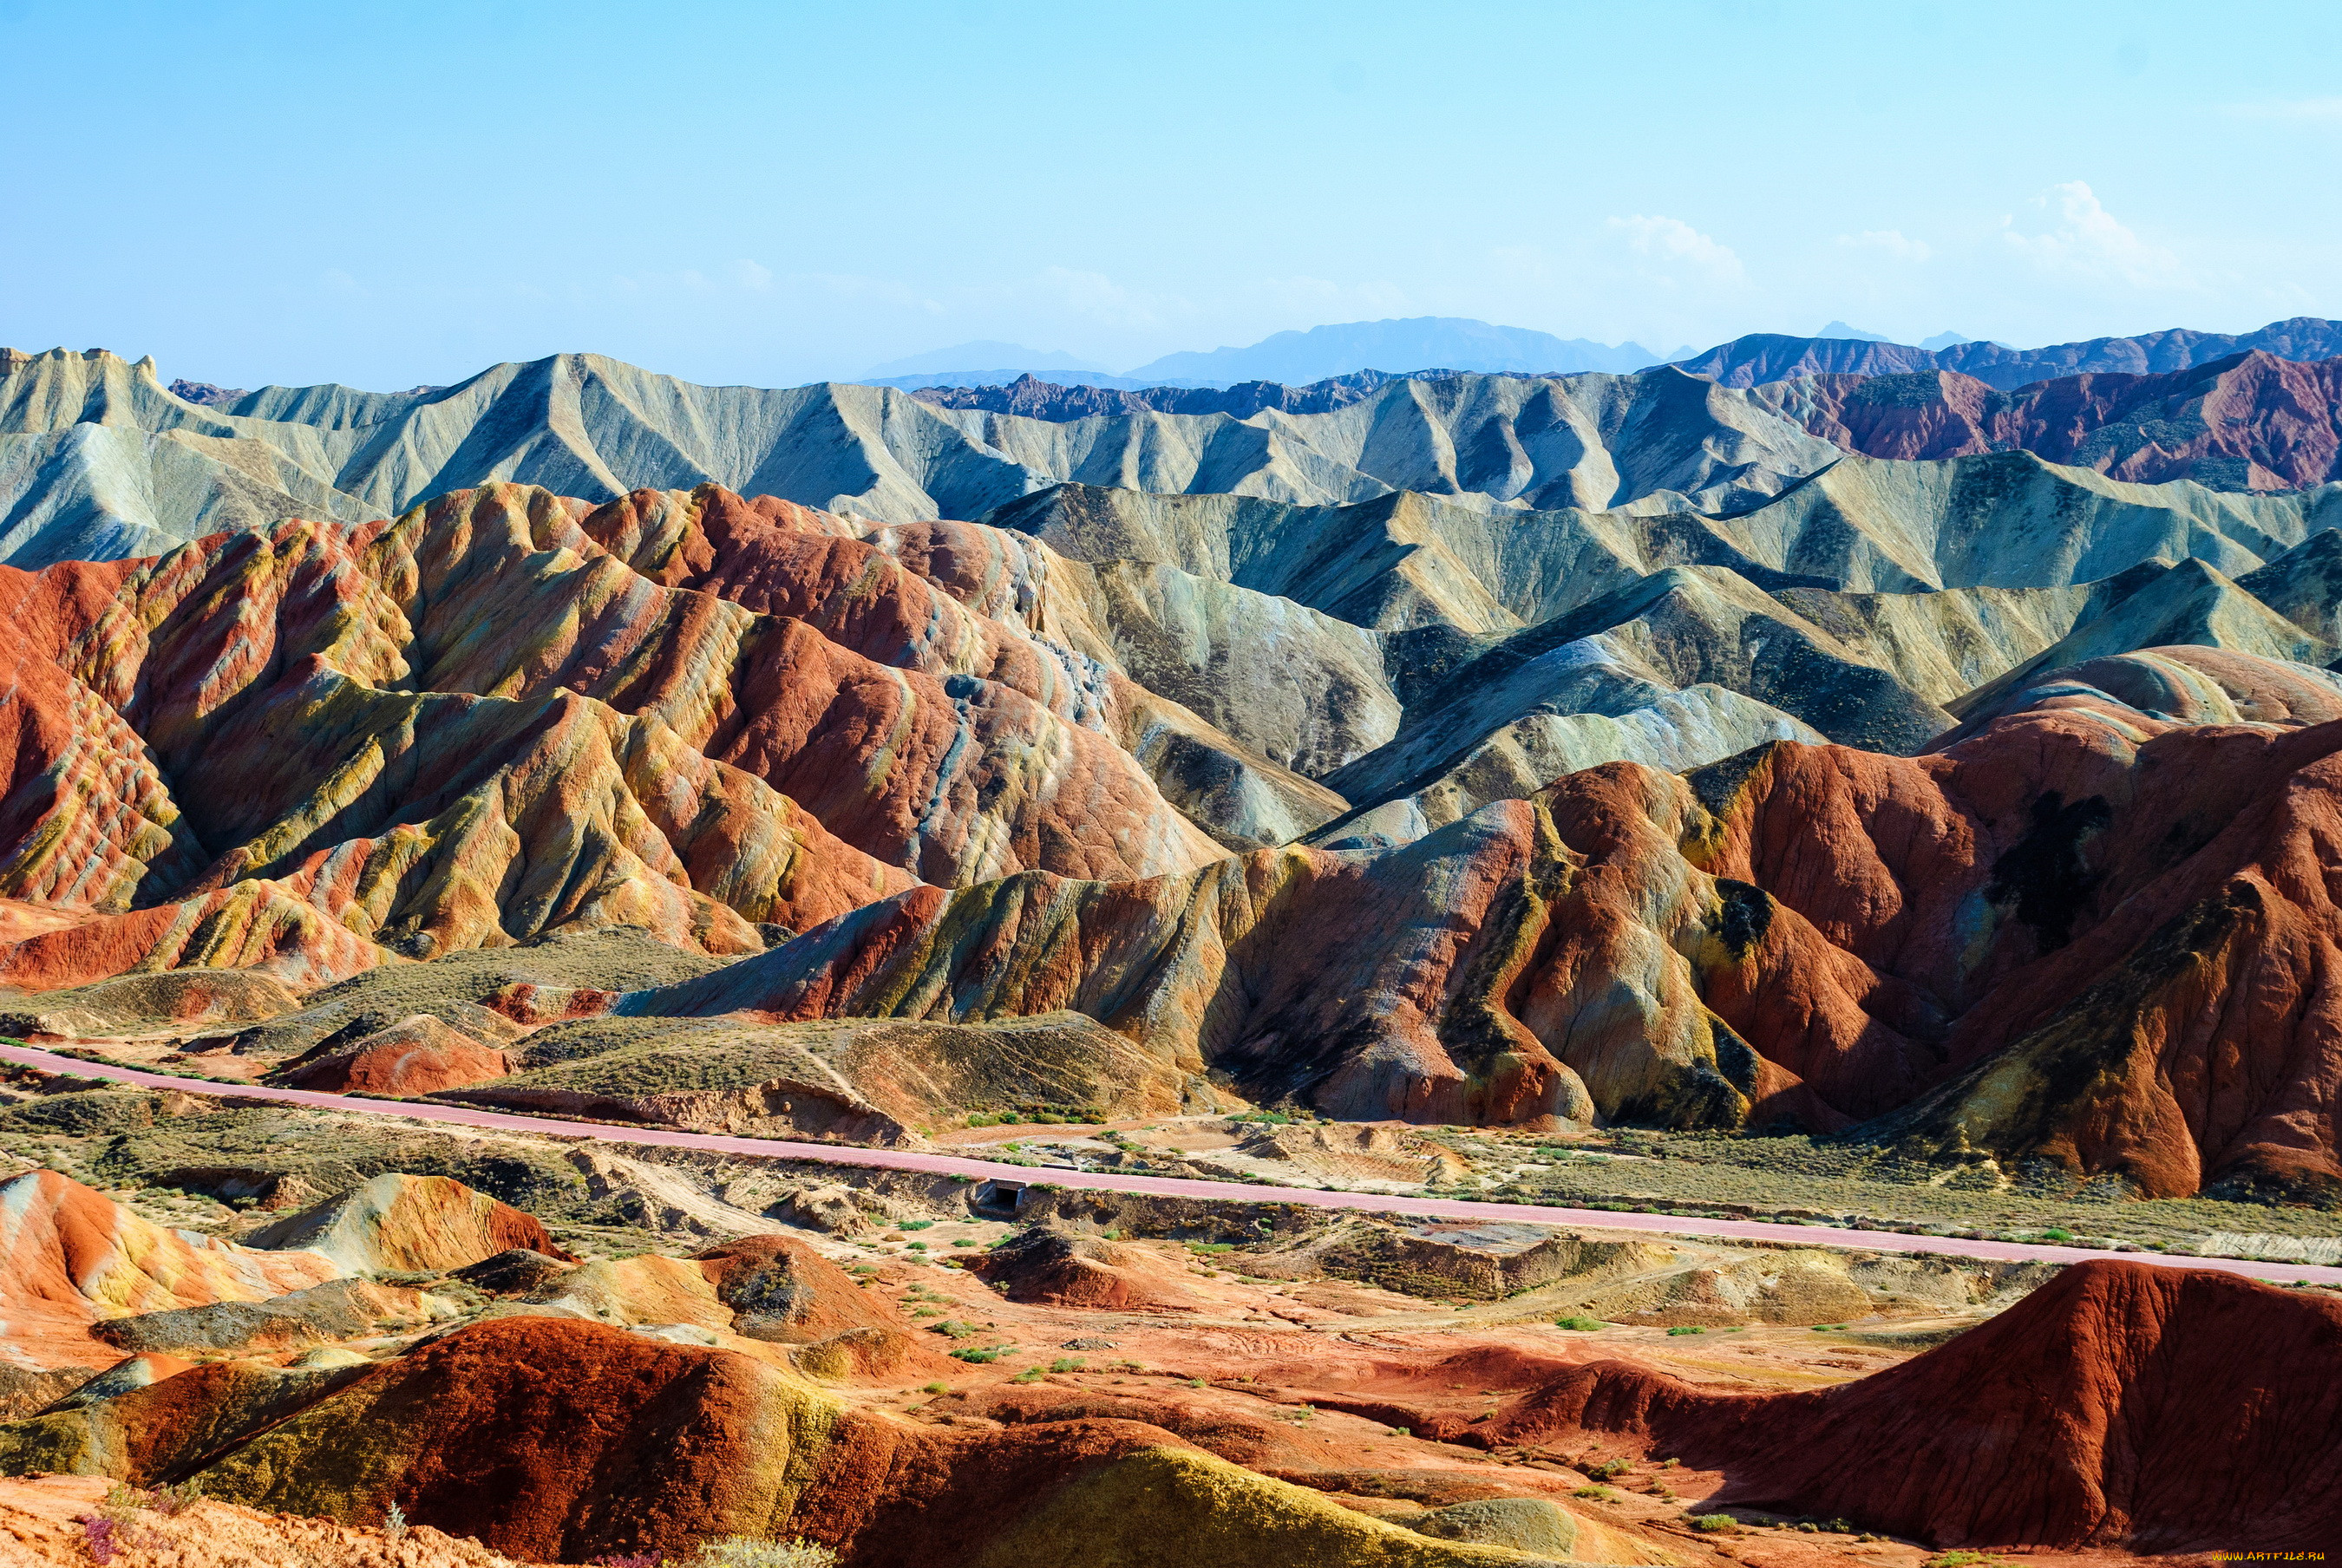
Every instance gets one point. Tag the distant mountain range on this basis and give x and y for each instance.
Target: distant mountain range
(1418, 346)
(1290, 358)
(1760, 357)
(1453, 342)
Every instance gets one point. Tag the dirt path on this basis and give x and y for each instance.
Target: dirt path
(1173, 1186)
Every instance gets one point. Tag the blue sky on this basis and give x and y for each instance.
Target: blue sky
(388, 195)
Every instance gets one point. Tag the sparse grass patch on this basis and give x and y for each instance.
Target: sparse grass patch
(1580, 1324)
(747, 1552)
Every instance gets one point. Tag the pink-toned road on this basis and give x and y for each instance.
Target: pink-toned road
(1171, 1186)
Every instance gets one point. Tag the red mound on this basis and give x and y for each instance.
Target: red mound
(420, 1056)
(782, 1290)
(1064, 1270)
(556, 1440)
(2121, 1404)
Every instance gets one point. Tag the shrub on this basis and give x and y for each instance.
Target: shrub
(101, 1537)
(1605, 1469)
(1599, 1493)
(627, 1560)
(1686, 1328)
(1402, 1432)
(915, 1225)
(1580, 1324)
(747, 1552)
(1714, 1522)
(1030, 1374)
(1069, 1363)
(963, 1241)
(1196, 1383)
(917, 1246)
(936, 1388)
(980, 1357)
(2056, 1235)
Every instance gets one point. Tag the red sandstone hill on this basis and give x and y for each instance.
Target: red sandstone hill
(2120, 1405)
(2249, 422)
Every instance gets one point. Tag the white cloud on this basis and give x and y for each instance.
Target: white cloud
(2089, 241)
(748, 275)
(2296, 109)
(1672, 240)
(1889, 242)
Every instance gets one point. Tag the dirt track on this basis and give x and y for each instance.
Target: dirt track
(953, 1164)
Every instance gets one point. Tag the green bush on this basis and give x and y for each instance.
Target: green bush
(982, 1357)
(1714, 1522)
(1580, 1324)
(1685, 1328)
(2056, 1235)
(1606, 1468)
(1599, 1493)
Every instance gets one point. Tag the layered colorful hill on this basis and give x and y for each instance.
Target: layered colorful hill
(2249, 422)
(950, 754)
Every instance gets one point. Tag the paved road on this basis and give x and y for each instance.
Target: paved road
(1173, 1186)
